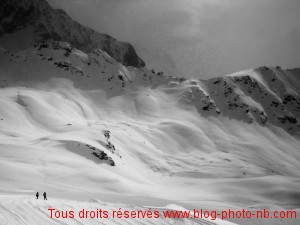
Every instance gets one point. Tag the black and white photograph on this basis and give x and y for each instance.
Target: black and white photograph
(149, 112)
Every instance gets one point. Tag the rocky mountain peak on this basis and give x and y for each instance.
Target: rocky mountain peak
(31, 21)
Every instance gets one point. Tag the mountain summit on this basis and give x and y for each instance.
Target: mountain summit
(25, 22)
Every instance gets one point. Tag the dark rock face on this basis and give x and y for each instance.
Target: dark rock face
(54, 24)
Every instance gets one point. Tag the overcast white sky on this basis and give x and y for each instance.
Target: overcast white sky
(198, 38)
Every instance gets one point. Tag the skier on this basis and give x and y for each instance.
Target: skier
(45, 196)
(37, 195)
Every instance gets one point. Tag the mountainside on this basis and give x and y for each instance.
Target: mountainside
(25, 22)
(78, 124)
(265, 95)
(83, 119)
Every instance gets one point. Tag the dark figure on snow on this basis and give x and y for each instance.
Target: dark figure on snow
(37, 195)
(45, 196)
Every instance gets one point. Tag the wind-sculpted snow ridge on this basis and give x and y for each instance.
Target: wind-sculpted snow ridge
(25, 22)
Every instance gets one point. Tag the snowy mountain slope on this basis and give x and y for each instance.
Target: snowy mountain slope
(57, 104)
(25, 22)
(86, 120)
(266, 95)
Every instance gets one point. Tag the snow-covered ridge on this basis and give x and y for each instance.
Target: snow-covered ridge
(264, 95)
(25, 22)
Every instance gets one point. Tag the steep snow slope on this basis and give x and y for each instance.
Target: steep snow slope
(25, 22)
(170, 139)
